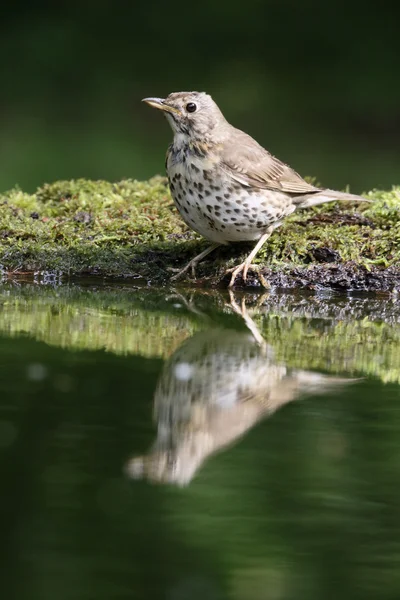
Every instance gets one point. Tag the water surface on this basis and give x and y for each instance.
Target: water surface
(164, 444)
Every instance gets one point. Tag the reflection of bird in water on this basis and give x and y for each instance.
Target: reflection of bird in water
(216, 386)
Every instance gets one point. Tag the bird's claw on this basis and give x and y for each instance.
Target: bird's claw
(243, 268)
(179, 272)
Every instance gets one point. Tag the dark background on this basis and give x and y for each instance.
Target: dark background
(316, 83)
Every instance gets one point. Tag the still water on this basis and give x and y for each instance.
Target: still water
(172, 445)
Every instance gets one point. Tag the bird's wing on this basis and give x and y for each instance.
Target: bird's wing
(250, 164)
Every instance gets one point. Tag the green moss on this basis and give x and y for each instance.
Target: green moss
(132, 229)
(360, 233)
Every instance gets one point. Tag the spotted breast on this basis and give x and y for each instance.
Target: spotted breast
(216, 206)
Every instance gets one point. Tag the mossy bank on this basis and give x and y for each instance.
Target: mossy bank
(131, 229)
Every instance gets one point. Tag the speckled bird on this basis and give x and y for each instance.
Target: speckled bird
(224, 184)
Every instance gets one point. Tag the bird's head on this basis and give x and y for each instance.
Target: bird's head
(193, 114)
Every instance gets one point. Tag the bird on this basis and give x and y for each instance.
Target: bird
(225, 185)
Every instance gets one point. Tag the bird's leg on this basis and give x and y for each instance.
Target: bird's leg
(246, 265)
(194, 262)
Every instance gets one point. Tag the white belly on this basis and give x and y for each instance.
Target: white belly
(221, 210)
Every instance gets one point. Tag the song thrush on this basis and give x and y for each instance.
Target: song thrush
(225, 185)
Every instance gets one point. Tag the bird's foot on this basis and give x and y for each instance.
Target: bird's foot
(192, 264)
(179, 272)
(243, 269)
(240, 269)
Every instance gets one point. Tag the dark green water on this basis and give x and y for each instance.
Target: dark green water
(163, 446)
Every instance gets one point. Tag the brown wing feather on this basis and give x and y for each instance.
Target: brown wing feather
(250, 164)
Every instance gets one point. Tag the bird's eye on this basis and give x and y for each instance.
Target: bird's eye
(191, 107)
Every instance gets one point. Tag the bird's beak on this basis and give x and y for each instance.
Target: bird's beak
(161, 104)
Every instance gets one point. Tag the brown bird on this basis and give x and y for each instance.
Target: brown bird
(224, 184)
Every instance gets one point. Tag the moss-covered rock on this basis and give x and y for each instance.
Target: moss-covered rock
(132, 229)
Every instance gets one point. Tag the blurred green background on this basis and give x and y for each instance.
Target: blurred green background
(316, 83)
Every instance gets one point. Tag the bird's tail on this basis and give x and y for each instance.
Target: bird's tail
(326, 196)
